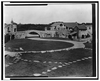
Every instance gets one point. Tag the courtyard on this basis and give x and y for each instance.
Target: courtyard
(49, 57)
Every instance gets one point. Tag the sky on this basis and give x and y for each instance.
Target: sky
(80, 13)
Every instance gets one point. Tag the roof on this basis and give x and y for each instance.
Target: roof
(13, 22)
(71, 24)
(68, 24)
(56, 23)
(82, 27)
(7, 25)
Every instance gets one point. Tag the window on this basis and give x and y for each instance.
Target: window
(14, 29)
(61, 24)
(82, 36)
(8, 29)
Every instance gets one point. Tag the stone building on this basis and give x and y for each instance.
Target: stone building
(71, 30)
(10, 30)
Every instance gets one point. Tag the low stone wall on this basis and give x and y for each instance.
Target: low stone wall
(20, 35)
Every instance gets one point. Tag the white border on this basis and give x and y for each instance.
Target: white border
(57, 77)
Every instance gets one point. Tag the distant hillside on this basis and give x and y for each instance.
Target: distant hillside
(23, 27)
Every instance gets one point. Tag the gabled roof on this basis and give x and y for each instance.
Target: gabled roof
(82, 27)
(68, 24)
(12, 22)
(56, 23)
(7, 25)
(71, 24)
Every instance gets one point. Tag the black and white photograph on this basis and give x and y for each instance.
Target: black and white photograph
(49, 40)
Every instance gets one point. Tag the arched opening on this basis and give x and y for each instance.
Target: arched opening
(33, 35)
(82, 36)
(12, 37)
(70, 37)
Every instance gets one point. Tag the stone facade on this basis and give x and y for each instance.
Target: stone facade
(9, 31)
(69, 30)
(10, 28)
(59, 29)
(20, 35)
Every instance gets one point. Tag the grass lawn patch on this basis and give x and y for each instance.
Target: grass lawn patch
(82, 68)
(88, 45)
(56, 38)
(79, 69)
(34, 45)
(22, 68)
(63, 56)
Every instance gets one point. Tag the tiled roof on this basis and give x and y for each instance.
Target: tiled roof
(70, 24)
(82, 27)
(56, 23)
(73, 24)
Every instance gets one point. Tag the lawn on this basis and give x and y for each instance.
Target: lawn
(26, 68)
(34, 45)
(82, 68)
(88, 45)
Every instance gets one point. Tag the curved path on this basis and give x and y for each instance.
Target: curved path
(75, 45)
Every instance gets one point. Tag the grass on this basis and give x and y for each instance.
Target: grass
(24, 69)
(88, 45)
(56, 38)
(31, 45)
(63, 56)
(83, 68)
(79, 69)
(21, 68)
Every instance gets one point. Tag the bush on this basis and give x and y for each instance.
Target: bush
(7, 38)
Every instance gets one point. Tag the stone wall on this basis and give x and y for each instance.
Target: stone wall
(20, 35)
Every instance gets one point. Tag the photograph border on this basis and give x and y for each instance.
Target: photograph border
(95, 40)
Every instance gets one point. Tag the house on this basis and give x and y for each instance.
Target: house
(9, 31)
(84, 31)
(61, 29)
(89, 27)
(10, 28)
(71, 30)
